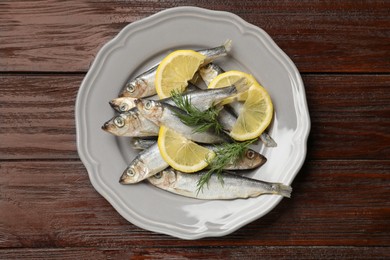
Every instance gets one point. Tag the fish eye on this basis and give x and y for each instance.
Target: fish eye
(148, 105)
(119, 122)
(130, 172)
(130, 88)
(158, 175)
(123, 107)
(250, 154)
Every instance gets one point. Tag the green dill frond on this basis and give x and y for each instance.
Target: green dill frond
(201, 120)
(204, 180)
(224, 154)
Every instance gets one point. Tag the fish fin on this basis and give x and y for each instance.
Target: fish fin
(283, 190)
(228, 45)
(268, 140)
(242, 85)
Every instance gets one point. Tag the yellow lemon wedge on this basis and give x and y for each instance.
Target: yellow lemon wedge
(180, 153)
(257, 111)
(175, 70)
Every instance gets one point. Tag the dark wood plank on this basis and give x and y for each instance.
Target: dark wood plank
(334, 203)
(349, 113)
(331, 36)
(350, 116)
(202, 253)
(37, 116)
(340, 207)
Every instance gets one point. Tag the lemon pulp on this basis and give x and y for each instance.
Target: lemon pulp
(180, 153)
(257, 110)
(175, 70)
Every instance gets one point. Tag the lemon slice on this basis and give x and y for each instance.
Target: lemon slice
(255, 115)
(257, 110)
(175, 70)
(180, 153)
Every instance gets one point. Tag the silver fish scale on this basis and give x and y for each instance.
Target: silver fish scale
(144, 83)
(169, 119)
(146, 164)
(233, 186)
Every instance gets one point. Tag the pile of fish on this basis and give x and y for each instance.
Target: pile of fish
(140, 114)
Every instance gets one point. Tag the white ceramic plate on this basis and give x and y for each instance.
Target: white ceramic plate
(139, 46)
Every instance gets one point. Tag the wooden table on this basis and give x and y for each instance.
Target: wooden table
(341, 202)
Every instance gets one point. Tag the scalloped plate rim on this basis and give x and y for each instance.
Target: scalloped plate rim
(92, 165)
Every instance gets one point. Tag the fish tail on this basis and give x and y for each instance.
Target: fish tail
(267, 140)
(283, 190)
(228, 45)
(242, 85)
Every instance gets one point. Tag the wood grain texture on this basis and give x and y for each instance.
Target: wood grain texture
(350, 116)
(50, 204)
(319, 36)
(37, 116)
(273, 252)
(340, 208)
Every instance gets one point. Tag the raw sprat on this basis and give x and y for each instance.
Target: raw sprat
(191, 121)
(234, 186)
(250, 160)
(144, 84)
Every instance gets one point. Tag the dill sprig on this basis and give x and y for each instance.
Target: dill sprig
(202, 120)
(224, 155)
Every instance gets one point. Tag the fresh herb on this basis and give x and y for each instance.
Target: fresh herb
(201, 120)
(224, 155)
(204, 120)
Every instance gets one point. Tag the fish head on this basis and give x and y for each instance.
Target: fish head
(208, 73)
(122, 104)
(253, 159)
(151, 109)
(134, 88)
(135, 172)
(118, 125)
(163, 179)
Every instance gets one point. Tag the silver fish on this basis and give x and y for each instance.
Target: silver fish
(201, 99)
(250, 160)
(236, 107)
(164, 114)
(124, 104)
(131, 123)
(143, 84)
(144, 165)
(209, 72)
(226, 119)
(233, 186)
(216, 52)
(204, 99)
